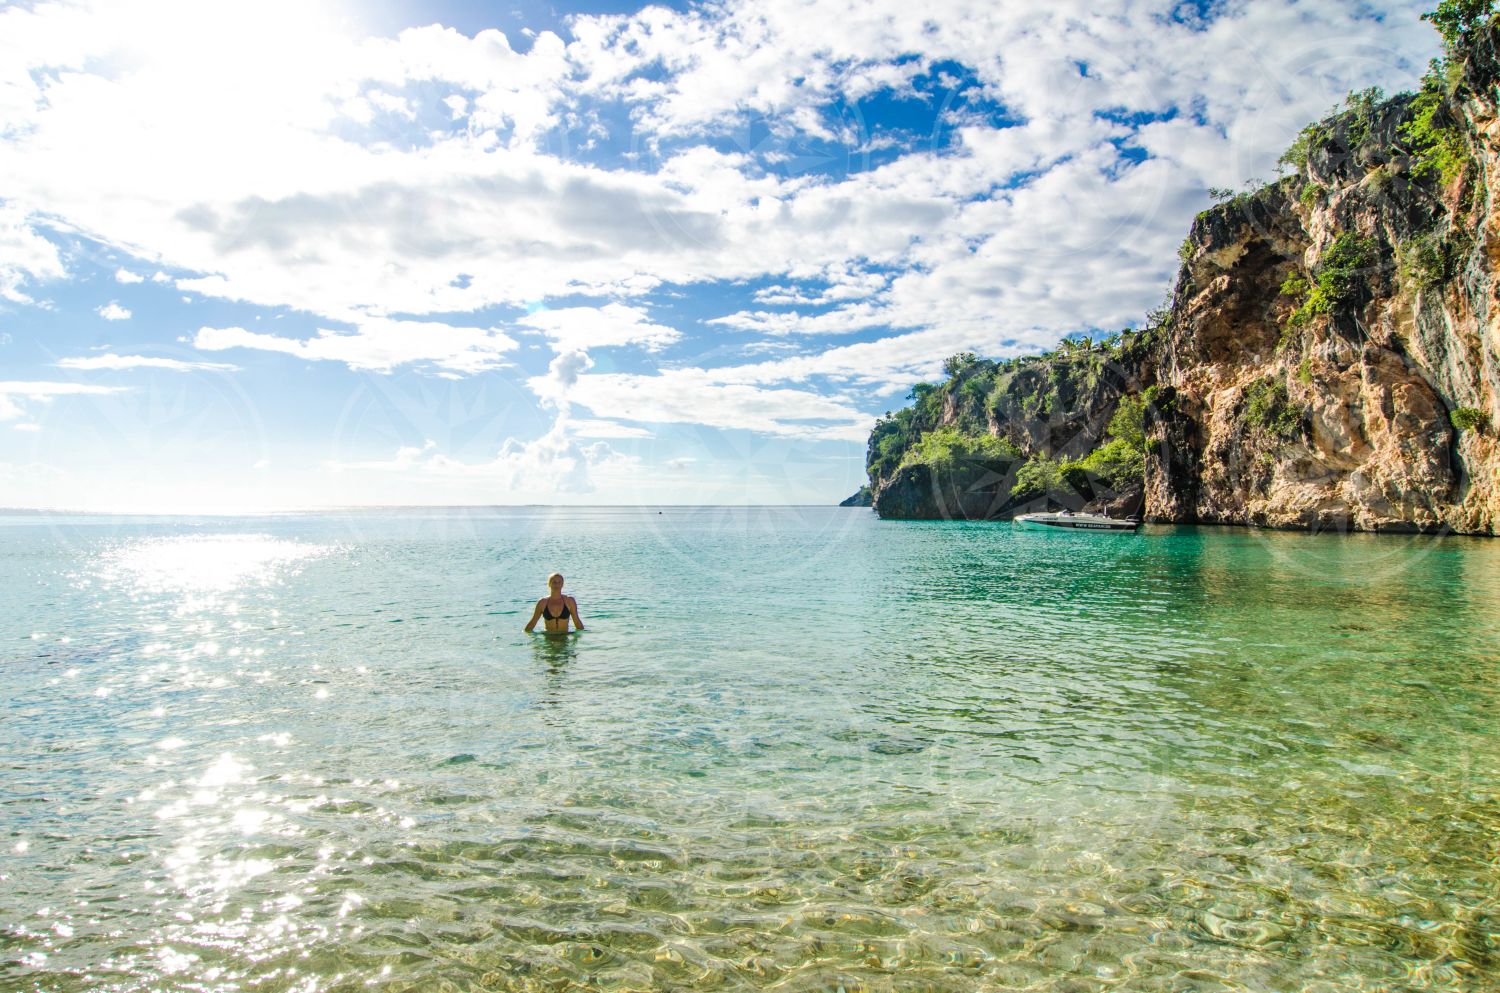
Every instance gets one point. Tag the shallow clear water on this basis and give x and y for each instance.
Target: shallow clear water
(797, 748)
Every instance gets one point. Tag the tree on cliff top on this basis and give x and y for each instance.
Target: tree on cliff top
(953, 365)
(1458, 20)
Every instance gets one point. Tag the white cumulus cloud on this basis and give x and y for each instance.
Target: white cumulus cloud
(600, 327)
(14, 394)
(562, 377)
(587, 428)
(110, 360)
(378, 345)
(553, 464)
(692, 397)
(25, 256)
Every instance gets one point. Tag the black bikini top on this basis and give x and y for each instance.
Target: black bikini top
(547, 612)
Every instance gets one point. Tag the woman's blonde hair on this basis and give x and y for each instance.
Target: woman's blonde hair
(555, 575)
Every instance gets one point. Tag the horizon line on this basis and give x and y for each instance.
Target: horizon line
(266, 512)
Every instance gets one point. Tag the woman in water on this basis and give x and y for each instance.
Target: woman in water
(555, 609)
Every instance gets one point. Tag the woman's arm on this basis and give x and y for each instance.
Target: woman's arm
(573, 606)
(535, 614)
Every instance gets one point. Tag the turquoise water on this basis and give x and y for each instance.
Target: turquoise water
(797, 748)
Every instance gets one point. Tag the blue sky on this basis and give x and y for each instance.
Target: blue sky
(277, 255)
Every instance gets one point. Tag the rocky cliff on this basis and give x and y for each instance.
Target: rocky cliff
(961, 449)
(1328, 359)
(860, 498)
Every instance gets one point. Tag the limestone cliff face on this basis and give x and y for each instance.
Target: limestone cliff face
(1321, 335)
(1284, 415)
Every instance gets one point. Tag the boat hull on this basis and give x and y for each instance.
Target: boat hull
(1058, 522)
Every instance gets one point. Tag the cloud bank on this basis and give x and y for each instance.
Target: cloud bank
(770, 216)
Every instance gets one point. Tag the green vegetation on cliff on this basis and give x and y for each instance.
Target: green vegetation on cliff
(1115, 465)
(1459, 21)
(943, 448)
(1435, 131)
(1269, 408)
(1437, 144)
(1349, 127)
(1337, 281)
(1434, 259)
(1430, 126)
(1067, 423)
(1000, 410)
(1469, 419)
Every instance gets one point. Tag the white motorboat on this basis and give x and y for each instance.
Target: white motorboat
(1066, 520)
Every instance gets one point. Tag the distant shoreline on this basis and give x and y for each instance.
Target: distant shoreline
(283, 512)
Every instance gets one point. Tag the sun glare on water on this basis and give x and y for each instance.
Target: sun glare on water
(204, 564)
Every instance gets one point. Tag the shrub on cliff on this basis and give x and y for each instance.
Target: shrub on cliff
(1129, 422)
(1344, 130)
(954, 365)
(1268, 407)
(1341, 272)
(1468, 419)
(1434, 133)
(945, 448)
(1436, 259)
(1038, 477)
(1301, 148)
(888, 442)
(1338, 279)
(1116, 463)
(1120, 461)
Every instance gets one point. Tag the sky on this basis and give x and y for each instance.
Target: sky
(276, 255)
